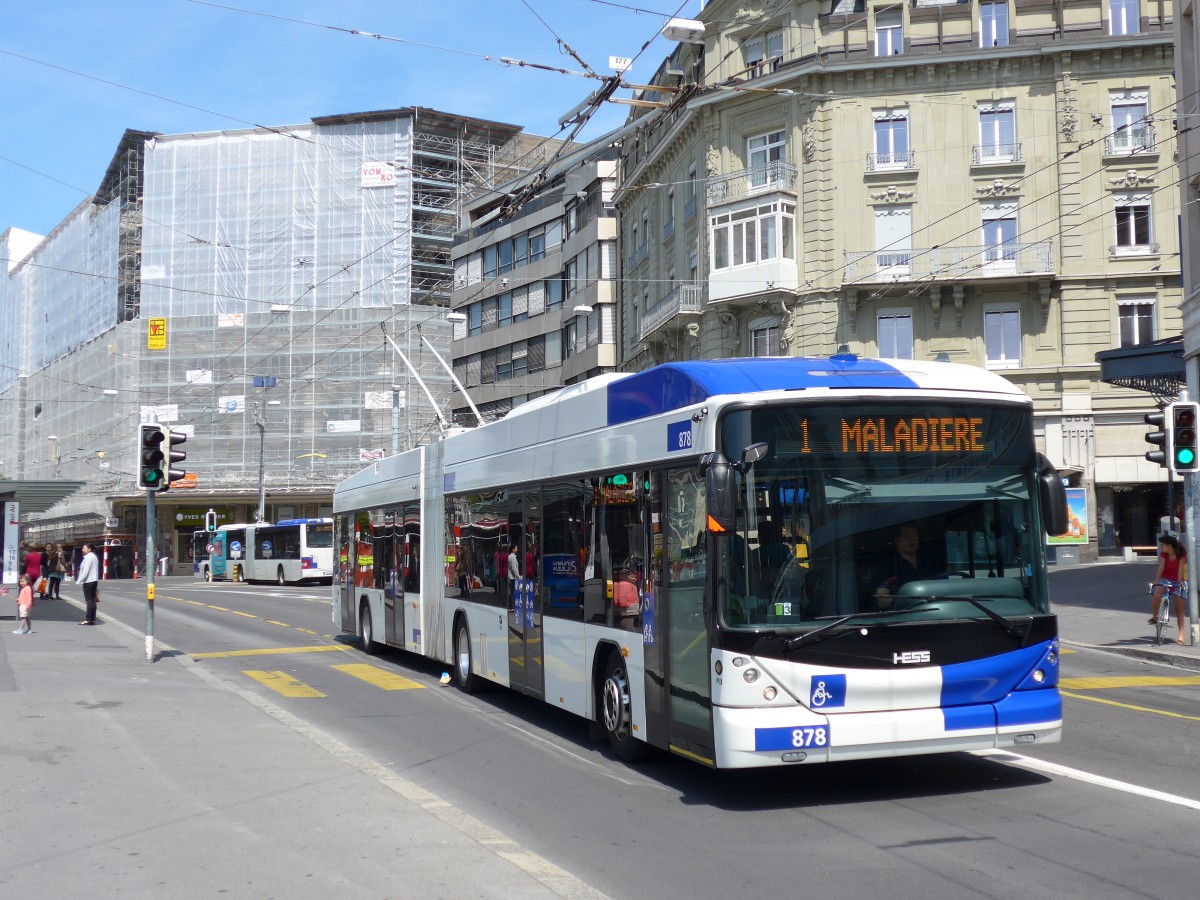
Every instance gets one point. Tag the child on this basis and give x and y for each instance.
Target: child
(25, 606)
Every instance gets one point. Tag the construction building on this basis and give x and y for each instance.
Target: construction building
(237, 286)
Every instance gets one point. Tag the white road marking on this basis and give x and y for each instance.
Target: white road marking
(1049, 768)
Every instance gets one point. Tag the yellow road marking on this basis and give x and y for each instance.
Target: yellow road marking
(247, 615)
(305, 630)
(1130, 706)
(280, 624)
(270, 651)
(1127, 681)
(193, 602)
(283, 683)
(221, 608)
(378, 677)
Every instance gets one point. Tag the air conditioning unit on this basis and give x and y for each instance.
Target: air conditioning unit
(685, 31)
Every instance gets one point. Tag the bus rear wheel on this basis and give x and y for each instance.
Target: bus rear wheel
(616, 711)
(464, 676)
(208, 574)
(365, 635)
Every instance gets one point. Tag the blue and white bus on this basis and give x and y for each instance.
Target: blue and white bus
(759, 508)
(290, 551)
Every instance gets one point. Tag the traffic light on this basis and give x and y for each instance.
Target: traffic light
(174, 439)
(1183, 436)
(210, 520)
(152, 475)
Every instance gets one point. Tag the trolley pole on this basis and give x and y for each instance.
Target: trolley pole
(152, 563)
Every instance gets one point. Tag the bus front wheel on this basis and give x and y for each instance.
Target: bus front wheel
(616, 711)
(365, 636)
(208, 574)
(279, 579)
(464, 677)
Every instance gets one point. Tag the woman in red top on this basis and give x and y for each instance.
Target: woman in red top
(1172, 569)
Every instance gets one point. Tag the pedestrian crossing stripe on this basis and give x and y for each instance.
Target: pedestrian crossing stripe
(1127, 681)
(283, 684)
(381, 679)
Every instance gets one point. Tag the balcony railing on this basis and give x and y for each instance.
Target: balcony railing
(776, 176)
(891, 162)
(995, 154)
(668, 230)
(948, 263)
(1130, 140)
(684, 299)
(638, 257)
(689, 208)
(1134, 250)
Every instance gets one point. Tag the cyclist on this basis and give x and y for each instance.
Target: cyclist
(1172, 569)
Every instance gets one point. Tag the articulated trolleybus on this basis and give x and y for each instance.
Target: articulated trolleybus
(747, 562)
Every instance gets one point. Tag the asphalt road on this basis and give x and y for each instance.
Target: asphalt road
(1110, 812)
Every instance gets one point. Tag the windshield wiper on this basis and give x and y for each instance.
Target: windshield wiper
(1008, 625)
(823, 633)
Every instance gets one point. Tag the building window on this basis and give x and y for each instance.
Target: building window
(764, 337)
(1002, 338)
(489, 261)
(893, 239)
(1123, 17)
(993, 24)
(889, 32)
(747, 236)
(1132, 211)
(1131, 126)
(1136, 319)
(999, 235)
(997, 132)
(895, 334)
(891, 140)
(763, 153)
(761, 53)
(505, 310)
(474, 319)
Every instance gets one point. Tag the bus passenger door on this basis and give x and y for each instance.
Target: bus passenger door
(524, 593)
(687, 657)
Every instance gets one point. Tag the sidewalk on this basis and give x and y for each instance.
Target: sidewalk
(125, 778)
(1104, 606)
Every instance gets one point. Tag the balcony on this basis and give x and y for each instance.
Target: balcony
(996, 154)
(1131, 140)
(689, 208)
(892, 162)
(774, 177)
(639, 256)
(668, 230)
(685, 299)
(947, 263)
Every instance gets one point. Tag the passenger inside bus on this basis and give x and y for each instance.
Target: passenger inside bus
(626, 602)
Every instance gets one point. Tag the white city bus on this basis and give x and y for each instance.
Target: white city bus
(289, 551)
(757, 507)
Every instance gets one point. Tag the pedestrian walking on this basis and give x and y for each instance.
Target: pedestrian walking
(56, 570)
(89, 576)
(33, 565)
(25, 606)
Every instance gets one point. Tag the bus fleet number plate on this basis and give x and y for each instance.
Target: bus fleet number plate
(801, 737)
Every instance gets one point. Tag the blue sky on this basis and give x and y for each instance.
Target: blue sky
(213, 67)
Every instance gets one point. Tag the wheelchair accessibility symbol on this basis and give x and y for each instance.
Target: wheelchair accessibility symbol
(827, 691)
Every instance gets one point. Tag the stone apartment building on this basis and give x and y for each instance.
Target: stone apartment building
(992, 183)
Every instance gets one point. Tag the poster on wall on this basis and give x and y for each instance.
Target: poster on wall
(1077, 519)
(12, 520)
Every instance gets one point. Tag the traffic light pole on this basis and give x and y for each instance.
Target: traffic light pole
(152, 562)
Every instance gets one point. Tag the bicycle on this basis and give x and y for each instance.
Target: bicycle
(1162, 616)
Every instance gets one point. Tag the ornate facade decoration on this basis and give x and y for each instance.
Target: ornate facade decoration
(808, 137)
(1068, 113)
(997, 189)
(892, 194)
(1132, 179)
(712, 162)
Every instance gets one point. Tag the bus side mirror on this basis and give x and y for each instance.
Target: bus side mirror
(1053, 497)
(720, 488)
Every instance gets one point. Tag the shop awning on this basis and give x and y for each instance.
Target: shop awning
(1156, 368)
(37, 496)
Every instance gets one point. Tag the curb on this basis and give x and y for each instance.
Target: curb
(1167, 659)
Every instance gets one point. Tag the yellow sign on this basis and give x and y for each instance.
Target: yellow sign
(156, 337)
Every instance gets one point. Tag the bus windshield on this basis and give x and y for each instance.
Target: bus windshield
(882, 508)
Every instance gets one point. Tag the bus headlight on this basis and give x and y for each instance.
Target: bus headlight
(751, 676)
(1052, 658)
(1039, 676)
(769, 693)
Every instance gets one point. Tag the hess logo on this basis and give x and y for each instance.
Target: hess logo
(910, 657)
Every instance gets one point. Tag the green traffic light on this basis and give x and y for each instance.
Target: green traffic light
(1185, 457)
